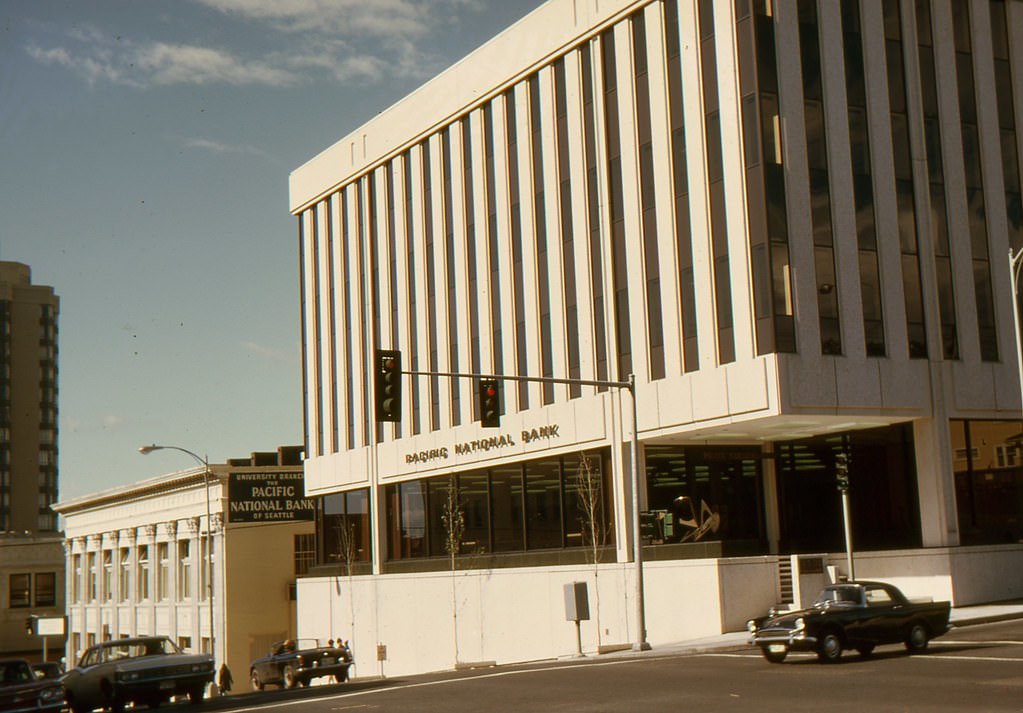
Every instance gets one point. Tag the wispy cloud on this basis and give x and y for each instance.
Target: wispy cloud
(220, 148)
(270, 353)
(343, 41)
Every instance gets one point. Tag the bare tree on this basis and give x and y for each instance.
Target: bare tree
(589, 486)
(454, 529)
(346, 548)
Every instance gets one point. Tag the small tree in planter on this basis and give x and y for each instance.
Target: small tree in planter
(346, 548)
(454, 529)
(588, 482)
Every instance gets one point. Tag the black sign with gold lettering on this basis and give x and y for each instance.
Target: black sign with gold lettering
(268, 497)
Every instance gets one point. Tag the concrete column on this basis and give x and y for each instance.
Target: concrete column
(935, 482)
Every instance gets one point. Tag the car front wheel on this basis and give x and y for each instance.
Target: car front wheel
(917, 638)
(290, 678)
(829, 649)
(775, 656)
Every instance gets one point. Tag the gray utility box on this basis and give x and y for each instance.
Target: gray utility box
(577, 604)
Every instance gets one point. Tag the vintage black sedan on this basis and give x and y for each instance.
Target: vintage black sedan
(296, 662)
(148, 670)
(850, 615)
(22, 691)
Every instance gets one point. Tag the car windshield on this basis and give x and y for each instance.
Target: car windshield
(116, 651)
(15, 672)
(838, 595)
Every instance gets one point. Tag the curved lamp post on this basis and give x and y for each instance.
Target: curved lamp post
(1015, 268)
(146, 450)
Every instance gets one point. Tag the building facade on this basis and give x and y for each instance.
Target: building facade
(31, 559)
(144, 559)
(787, 220)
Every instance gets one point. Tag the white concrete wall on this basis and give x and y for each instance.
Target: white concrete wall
(514, 615)
(962, 575)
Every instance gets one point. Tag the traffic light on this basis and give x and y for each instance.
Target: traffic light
(388, 385)
(842, 472)
(490, 403)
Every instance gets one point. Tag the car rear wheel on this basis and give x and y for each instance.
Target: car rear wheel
(917, 638)
(257, 684)
(829, 649)
(290, 678)
(775, 656)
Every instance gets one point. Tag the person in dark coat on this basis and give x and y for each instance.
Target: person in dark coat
(224, 679)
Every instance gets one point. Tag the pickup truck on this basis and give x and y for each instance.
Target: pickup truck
(850, 615)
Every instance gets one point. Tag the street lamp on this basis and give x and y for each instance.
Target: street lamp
(146, 450)
(1015, 267)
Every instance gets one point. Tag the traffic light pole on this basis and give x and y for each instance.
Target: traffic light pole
(640, 644)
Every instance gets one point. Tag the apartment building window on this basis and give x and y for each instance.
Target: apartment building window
(975, 198)
(345, 202)
(543, 286)
(431, 283)
(680, 182)
(567, 232)
(93, 577)
(45, 589)
(162, 571)
(20, 591)
(452, 274)
(518, 286)
(469, 212)
(820, 181)
(305, 553)
(205, 555)
(616, 205)
(716, 182)
(493, 246)
(184, 569)
(76, 578)
(863, 181)
(412, 249)
(142, 573)
(124, 575)
(108, 575)
(185, 643)
(904, 193)
(1007, 123)
(593, 212)
(648, 200)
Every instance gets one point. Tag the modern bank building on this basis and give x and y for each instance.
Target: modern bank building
(776, 231)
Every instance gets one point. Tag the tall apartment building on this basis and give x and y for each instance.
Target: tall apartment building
(31, 552)
(789, 220)
(28, 401)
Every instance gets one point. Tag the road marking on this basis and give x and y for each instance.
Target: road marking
(951, 657)
(946, 642)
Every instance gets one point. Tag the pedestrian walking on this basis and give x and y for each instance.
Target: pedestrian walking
(224, 679)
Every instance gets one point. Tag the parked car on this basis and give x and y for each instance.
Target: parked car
(148, 670)
(850, 615)
(293, 662)
(47, 669)
(21, 691)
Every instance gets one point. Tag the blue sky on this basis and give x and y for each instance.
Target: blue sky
(145, 149)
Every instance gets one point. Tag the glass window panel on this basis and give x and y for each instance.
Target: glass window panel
(543, 505)
(506, 508)
(413, 519)
(474, 501)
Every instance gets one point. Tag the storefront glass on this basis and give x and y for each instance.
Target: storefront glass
(987, 458)
(705, 494)
(885, 511)
(343, 528)
(537, 505)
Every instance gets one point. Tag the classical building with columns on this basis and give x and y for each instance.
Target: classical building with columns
(141, 558)
(787, 220)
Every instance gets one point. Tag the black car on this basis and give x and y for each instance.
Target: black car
(850, 615)
(294, 662)
(149, 670)
(21, 691)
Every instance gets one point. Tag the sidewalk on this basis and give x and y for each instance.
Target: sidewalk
(960, 616)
